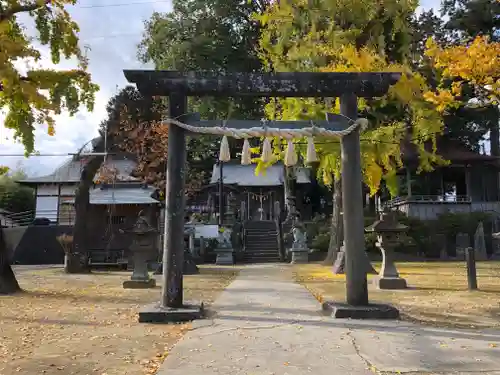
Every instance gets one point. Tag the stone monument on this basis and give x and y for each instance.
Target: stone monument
(142, 249)
(190, 231)
(224, 249)
(480, 244)
(299, 250)
(388, 230)
(339, 264)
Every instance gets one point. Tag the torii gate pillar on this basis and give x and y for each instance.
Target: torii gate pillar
(352, 205)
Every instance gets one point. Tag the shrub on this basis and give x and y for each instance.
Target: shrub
(321, 241)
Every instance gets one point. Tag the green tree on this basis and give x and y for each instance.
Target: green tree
(13, 196)
(214, 35)
(35, 95)
(468, 19)
(357, 36)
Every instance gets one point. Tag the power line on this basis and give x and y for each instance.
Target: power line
(215, 148)
(29, 156)
(120, 4)
(110, 36)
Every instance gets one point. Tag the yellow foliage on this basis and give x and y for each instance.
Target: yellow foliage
(477, 63)
(33, 95)
(299, 37)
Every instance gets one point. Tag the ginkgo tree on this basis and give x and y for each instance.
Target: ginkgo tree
(476, 64)
(353, 36)
(30, 94)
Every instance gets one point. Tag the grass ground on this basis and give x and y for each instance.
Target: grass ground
(437, 292)
(87, 324)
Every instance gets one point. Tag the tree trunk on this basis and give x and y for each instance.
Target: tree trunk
(8, 281)
(337, 225)
(77, 259)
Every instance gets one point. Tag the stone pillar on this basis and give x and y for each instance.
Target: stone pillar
(173, 247)
(192, 249)
(388, 277)
(408, 182)
(352, 201)
(468, 191)
(221, 193)
(202, 248)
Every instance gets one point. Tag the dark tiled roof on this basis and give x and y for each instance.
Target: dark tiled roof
(121, 195)
(244, 175)
(450, 150)
(70, 170)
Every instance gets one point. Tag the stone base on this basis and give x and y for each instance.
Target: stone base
(300, 257)
(340, 310)
(338, 266)
(159, 269)
(189, 268)
(224, 258)
(389, 282)
(155, 313)
(139, 284)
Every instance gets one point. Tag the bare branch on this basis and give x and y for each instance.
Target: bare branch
(19, 8)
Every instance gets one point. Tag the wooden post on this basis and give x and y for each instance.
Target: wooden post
(470, 259)
(173, 244)
(352, 201)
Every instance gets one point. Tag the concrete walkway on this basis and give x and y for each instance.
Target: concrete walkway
(267, 324)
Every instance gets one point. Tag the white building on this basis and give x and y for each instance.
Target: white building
(55, 193)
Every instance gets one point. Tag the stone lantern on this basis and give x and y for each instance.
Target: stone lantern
(388, 231)
(143, 249)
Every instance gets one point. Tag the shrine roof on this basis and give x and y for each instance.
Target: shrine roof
(120, 195)
(70, 170)
(450, 150)
(244, 175)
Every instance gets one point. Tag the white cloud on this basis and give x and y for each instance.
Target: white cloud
(112, 32)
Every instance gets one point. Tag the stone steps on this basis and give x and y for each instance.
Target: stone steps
(261, 242)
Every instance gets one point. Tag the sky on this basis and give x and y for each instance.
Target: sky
(112, 29)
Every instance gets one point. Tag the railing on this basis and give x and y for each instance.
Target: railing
(429, 199)
(430, 207)
(23, 219)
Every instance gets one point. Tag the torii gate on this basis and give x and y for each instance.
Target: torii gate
(179, 85)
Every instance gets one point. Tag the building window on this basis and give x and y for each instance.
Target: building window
(115, 220)
(66, 210)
